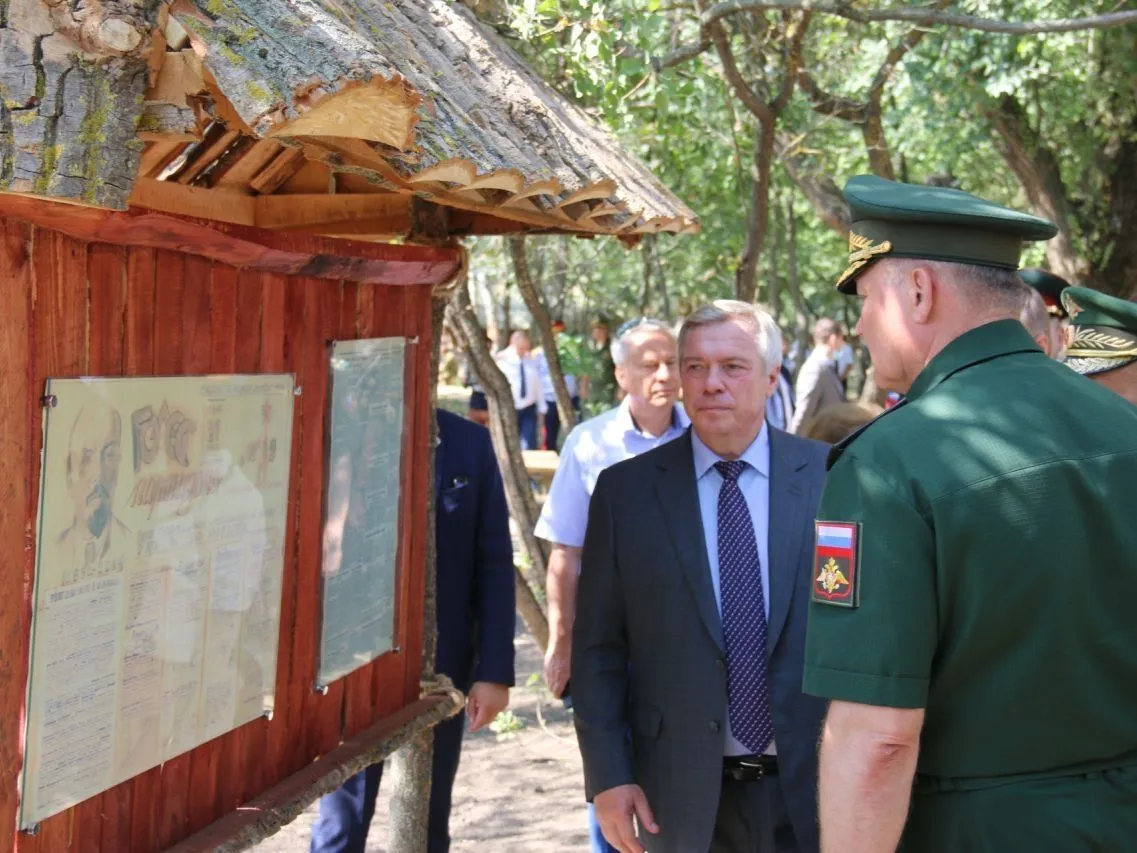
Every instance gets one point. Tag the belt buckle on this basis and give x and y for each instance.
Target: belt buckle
(752, 771)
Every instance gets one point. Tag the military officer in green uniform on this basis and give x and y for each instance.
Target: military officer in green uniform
(972, 604)
(1049, 288)
(1103, 340)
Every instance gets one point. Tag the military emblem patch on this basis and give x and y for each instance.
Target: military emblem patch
(836, 575)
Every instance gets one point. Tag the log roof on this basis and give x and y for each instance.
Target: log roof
(360, 118)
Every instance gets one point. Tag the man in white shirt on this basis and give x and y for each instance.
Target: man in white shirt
(520, 368)
(644, 352)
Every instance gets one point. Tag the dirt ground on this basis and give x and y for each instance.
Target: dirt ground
(515, 793)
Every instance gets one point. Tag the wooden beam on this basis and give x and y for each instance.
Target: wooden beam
(283, 803)
(262, 153)
(286, 164)
(208, 155)
(312, 178)
(291, 212)
(157, 156)
(242, 246)
(170, 197)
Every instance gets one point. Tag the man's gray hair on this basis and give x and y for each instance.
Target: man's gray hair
(989, 288)
(619, 348)
(767, 335)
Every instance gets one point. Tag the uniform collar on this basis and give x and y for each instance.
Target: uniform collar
(627, 423)
(993, 340)
(757, 455)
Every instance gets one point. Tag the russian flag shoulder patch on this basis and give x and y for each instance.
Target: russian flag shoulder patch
(836, 575)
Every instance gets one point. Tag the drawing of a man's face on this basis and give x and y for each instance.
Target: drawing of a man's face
(93, 460)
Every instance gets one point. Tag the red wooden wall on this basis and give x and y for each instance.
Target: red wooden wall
(70, 308)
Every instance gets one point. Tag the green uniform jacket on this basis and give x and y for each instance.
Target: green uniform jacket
(988, 573)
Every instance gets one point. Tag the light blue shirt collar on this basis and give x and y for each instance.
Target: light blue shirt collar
(757, 455)
(679, 420)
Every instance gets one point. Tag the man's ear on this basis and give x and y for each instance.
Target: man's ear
(622, 377)
(922, 291)
(773, 383)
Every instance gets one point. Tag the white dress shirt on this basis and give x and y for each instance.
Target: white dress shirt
(592, 446)
(754, 482)
(511, 364)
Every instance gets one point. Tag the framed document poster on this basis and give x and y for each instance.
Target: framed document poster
(361, 509)
(156, 610)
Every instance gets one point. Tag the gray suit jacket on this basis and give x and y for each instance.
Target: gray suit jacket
(817, 387)
(648, 650)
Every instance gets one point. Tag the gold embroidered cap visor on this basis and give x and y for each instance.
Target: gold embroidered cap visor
(1103, 331)
(892, 219)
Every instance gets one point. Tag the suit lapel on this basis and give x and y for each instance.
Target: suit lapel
(679, 501)
(787, 514)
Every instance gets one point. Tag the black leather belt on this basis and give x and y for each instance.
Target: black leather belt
(749, 768)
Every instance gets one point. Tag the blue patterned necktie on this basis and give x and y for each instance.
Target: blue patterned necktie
(743, 615)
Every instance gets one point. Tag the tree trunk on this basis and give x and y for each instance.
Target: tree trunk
(72, 77)
(819, 190)
(409, 769)
(507, 446)
(880, 158)
(800, 311)
(746, 279)
(544, 325)
(1037, 170)
(1119, 275)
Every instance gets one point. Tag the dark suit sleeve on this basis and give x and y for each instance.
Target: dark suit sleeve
(494, 593)
(600, 654)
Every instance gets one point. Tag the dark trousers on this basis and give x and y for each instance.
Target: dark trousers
(527, 426)
(553, 422)
(345, 815)
(552, 426)
(752, 818)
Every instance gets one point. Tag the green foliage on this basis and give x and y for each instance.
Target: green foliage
(506, 725)
(1077, 91)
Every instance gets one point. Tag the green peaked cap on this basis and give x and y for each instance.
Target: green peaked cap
(1049, 287)
(891, 219)
(1103, 330)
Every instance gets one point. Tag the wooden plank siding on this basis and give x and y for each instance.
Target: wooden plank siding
(77, 308)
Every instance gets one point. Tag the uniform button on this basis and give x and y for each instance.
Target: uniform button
(715, 727)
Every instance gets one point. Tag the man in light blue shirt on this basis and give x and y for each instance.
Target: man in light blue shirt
(644, 352)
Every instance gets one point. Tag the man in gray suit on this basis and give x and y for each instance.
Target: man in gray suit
(818, 384)
(691, 612)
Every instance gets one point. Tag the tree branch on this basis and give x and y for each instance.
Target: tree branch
(743, 90)
(683, 54)
(901, 49)
(923, 15)
(827, 104)
(793, 60)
